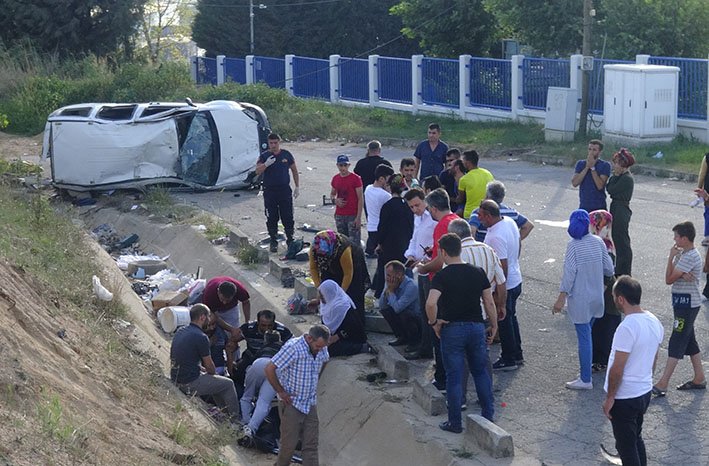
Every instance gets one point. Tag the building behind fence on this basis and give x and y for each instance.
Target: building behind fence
(468, 87)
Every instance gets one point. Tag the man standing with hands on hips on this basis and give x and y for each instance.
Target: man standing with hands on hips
(294, 373)
(590, 176)
(277, 195)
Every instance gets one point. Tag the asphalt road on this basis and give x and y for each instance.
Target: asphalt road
(548, 422)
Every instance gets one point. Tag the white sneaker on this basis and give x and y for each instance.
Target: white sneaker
(579, 384)
(247, 432)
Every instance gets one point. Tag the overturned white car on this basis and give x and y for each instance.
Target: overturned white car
(95, 147)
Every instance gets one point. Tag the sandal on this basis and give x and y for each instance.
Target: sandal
(657, 392)
(692, 386)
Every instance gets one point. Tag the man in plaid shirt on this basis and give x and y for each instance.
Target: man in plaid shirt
(294, 372)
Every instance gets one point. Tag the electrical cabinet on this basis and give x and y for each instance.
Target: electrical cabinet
(640, 102)
(560, 120)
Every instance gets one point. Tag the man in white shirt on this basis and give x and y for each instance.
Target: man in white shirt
(375, 195)
(503, 236)
(630, 366)
(421, 240)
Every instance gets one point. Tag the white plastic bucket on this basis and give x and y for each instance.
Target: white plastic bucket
(172, 317)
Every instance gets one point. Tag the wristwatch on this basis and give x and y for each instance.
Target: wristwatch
(434, 323)
(593, 168)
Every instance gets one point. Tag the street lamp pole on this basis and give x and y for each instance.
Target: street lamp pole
(588, 14)
(260, 6)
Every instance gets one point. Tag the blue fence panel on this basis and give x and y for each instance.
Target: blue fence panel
(271, 71)
(394, 79)
(595, 84)
(354, 79)
(439, 82)
(540, 73)
(491, 83)
(692, 92)
(235, 70)
(207, 71)
(311, 78)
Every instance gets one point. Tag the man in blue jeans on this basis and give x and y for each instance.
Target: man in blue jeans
(454, 312)
(630, 366)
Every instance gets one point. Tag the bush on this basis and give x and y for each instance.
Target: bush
(138, 83)
(27, 110)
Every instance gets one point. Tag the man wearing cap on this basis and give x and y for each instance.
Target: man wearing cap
(277, 195)
(590, 176)
(347, 196)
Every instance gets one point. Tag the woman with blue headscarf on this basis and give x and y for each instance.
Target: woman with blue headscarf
(585, 264)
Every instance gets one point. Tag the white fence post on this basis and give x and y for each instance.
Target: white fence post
(335, 78)
(575, 75)
(249, 69)
(464, 83)
(642, 59)
(517, 82)
(289, 73)
(416, 82)
(193, 67)
(373, 80)
(221, 70)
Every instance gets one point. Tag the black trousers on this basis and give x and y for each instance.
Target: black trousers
(404, 325)
(627, 421)
(278, 203)
(602, 337)
(427, 335)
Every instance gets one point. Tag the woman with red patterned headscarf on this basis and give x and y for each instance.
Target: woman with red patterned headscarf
(620, 188)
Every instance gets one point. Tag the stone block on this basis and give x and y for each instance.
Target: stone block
(263, 256)
(281, 272)
(390, 361)
(238, 239)
(305, 288)
(490, 437)
(429, 398)
(376, 323)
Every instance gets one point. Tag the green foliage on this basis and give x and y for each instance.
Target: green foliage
(136, 83)
(73, 28)
(54, 422)
(314, 29)
(447, 28)
(29, 107)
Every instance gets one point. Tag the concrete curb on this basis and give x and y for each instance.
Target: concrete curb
(429, 398)
(490, 437)
(390, 361)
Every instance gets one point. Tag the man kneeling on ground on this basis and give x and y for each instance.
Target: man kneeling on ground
(192, 368)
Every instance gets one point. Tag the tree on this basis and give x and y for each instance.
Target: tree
(301, 27)
(164, 25)
(448, 28)
(71, 27)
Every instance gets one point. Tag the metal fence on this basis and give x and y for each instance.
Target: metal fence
(311, 78)
(354, 79)
(394, 79)
(235, 70)
(271, 71)
(596, 81)
(490, 83)
(540, 73)
(440, 82)
(692, 94)
(207, 71)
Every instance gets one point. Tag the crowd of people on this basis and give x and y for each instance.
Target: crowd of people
(447, 281)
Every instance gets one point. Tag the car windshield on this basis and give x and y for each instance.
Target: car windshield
(199, 148)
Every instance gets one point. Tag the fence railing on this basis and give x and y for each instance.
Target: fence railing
(490, 83)
(271, 71)
(235, 70)
(311, 78)
(394, 80)
(207, 70)
(440, 82)
(692, 98)
(353, 79)
(539, 74)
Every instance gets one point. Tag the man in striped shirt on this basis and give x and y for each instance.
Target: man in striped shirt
(496, 191)
(294, 373)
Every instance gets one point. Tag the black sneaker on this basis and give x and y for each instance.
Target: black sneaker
(273, 246)
(445, 425)
(502, 365)
(441, 386)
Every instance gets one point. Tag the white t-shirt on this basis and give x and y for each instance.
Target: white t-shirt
(639, 335)
(504, 239)
(374, 198)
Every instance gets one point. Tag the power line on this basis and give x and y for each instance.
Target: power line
(224, 5)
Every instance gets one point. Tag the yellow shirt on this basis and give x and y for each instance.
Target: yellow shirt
(474, 183)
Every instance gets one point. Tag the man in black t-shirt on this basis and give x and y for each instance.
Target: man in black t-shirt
(453, 310)
(365, 167)
(256, 347)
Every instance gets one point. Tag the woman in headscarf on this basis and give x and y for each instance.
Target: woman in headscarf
(604, 328)
(333, 257)
(340, 316)
(585, 264)
(620, 188)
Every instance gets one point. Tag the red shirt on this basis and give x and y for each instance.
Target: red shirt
(210, 298)
(346, 186)
(440, 230)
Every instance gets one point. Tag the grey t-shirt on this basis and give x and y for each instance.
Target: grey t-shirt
(690, 262)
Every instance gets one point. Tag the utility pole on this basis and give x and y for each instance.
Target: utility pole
(588, 14)
(261, 6)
